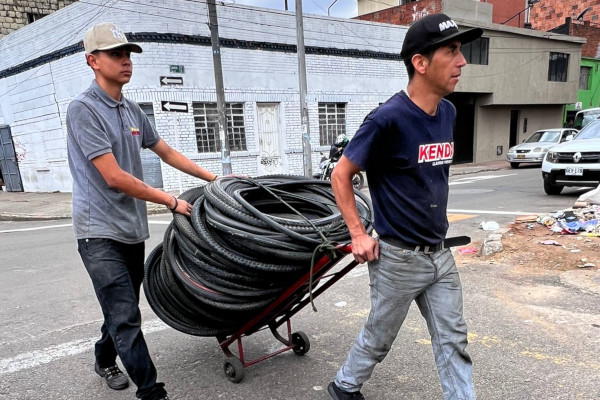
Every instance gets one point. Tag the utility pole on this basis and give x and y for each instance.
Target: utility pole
(222, 116)
(306, 151)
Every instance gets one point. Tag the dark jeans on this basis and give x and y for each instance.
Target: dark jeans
(117, 272)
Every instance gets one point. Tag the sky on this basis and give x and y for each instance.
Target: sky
(342, 8)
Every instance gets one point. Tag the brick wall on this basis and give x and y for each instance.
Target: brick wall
(589, 31)
(405, 14)
(505, 9)
(548, 14)
(15, 14)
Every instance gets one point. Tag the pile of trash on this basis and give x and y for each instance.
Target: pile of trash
(582, 221)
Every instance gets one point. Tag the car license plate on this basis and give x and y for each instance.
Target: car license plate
(520, 155)
(574, 171)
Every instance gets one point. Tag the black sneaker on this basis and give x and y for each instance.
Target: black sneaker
(115, 378)
(339, 394)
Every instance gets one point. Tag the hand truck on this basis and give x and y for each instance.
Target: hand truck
(280, 311)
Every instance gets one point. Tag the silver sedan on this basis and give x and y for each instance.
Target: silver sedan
(534, 148)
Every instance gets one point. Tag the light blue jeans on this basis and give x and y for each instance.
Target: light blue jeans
(397, 278)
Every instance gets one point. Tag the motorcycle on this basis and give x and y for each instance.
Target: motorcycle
(327, 164)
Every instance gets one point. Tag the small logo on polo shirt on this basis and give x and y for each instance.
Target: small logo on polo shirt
(135, 131)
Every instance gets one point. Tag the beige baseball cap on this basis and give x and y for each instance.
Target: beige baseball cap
(106, 36)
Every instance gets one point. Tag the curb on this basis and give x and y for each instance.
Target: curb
(475, 171)
(26, 217)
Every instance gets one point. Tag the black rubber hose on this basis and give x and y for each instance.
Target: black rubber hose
(247, 241)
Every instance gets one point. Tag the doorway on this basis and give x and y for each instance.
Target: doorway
(514, 128)
(8, 161)
(269, 135)
(464, 129)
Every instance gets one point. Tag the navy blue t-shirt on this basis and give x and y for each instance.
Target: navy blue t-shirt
(406, 154)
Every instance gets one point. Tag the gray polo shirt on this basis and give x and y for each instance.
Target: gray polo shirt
(97, 124)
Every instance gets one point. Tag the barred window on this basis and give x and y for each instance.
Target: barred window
(148, 109)
(557, 69)
(332, 122)
(207, 133)
(584, 78)
(476, 52)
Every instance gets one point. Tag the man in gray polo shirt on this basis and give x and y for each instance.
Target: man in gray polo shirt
(106, 132)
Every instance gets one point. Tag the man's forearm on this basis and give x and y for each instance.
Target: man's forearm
(134, 187)
(184, 164)
(346, 202)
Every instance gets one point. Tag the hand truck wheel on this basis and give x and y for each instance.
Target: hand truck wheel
(234, 369)
(301, 343)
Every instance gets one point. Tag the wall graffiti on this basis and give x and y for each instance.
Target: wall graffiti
(418, 14)
(20, 151)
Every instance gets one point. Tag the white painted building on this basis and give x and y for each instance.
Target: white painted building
(352, 67)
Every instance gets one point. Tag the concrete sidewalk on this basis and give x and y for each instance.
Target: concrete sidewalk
(35, 206)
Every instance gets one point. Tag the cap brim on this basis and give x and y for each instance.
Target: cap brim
(463, 37)
(132, 46)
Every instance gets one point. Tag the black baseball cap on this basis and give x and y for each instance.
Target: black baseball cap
(434, 31)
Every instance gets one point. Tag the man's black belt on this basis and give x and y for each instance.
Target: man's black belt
(428, 248)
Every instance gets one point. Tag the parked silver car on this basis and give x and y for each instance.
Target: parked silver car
(534, 148)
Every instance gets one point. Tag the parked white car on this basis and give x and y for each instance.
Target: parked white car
(534, 148)
(574, 163)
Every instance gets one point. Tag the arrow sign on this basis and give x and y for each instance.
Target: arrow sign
(174, 106)
(171, 80)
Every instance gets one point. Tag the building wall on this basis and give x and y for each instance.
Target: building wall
(369, 6)
(589, 31)
(34, 102)
(589, 97)
(14, 13)
(507, 9)
(517, 70)
(493, 127)
(548, 14)
(405, 14)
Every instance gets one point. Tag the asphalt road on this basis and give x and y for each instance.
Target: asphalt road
(531, 336)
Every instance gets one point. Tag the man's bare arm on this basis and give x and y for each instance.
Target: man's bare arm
(364, 247)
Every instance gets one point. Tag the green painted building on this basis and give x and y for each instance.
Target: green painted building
(588, 94)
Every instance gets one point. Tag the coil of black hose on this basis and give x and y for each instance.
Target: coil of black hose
(247, 240)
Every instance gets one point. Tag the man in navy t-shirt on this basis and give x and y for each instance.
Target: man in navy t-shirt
(406, 147)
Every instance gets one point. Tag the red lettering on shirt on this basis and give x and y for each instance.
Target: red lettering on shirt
(436, 152)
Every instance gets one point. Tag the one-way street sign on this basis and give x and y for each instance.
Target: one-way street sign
(171, 80)
(174, 106)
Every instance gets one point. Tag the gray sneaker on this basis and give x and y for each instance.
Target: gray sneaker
(338, 394)
(115, 378)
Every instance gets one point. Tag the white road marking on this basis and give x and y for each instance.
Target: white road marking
(462, 181)
(38, 228)
(36, 358)
(35, 229)
(495, 212)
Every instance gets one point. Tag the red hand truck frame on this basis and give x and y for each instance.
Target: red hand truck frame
(281, 311)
